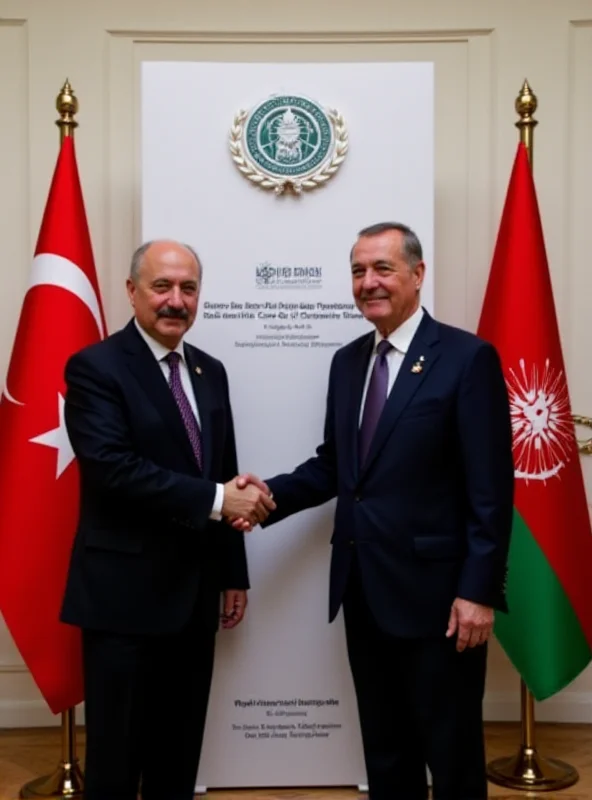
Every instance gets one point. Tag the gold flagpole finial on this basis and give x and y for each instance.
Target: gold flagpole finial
(526, 104)
(67, 107)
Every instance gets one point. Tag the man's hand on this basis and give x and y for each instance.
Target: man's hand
(243, 481)
(247, 477)
(248, 501)
(235, 605)
(471, 622)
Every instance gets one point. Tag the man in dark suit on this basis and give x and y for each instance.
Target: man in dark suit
(150, 422)
(418, 452)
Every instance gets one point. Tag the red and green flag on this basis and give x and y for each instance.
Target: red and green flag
(547, 633)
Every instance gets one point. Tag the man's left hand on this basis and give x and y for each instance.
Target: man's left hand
(471, 622)
(235, 605)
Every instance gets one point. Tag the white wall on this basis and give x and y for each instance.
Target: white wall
(482, 52)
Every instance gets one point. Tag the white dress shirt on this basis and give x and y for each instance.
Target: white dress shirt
(400, 339)
(160, 352)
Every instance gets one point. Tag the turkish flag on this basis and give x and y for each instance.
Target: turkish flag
(39, 491)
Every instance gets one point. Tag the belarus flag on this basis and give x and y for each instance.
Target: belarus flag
(547, 633)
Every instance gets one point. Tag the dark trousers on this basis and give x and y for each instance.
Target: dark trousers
(146, 703)
(419, 703)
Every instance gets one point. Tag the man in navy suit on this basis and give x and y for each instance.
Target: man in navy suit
(418, 451)
(149, 419)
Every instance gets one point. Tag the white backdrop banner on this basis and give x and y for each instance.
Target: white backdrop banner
(276, 303)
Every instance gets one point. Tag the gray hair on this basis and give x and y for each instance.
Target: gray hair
(412, 250)
(140, 252)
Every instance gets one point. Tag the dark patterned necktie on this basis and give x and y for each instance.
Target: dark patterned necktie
(375, 398)
(187, 415)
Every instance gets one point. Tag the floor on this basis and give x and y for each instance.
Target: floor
(27, 754)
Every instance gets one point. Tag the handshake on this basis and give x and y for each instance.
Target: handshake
(247, 502)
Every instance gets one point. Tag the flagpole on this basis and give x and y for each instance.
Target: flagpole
(527, 770)
(67, 781)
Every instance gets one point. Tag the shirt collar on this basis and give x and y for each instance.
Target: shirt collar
(158, 350)
(402, 336)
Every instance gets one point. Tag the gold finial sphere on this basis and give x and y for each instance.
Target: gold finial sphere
(67, 107)
(66, 101)
(526, 103)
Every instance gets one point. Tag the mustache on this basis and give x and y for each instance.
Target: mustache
(173, 313)
(374, 296)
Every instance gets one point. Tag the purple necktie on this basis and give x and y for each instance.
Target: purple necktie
(187, 415)
(375, 398)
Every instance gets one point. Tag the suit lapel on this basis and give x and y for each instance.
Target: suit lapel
(356, 380)
(423, 351)
(148, 372)
(201, 383)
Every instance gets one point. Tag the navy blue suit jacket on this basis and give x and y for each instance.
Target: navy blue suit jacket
(429, 514)
(146, 553)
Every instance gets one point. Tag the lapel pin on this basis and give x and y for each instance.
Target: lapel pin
(198, 370)
(418, 366)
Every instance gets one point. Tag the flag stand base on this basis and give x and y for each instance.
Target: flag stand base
(528, 770)
(67, 781)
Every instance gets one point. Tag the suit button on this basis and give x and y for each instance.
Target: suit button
(351, 541)
(357, 498)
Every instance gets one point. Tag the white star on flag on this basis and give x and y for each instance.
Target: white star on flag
(58, 439)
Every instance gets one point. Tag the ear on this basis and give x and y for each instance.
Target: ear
(419, 271)
(131, 290)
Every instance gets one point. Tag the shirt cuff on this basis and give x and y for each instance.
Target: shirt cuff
(216, 512)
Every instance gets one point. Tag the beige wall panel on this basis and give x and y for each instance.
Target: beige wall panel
(14, 176)
(14, 237)
(577, 258)
(463, 179)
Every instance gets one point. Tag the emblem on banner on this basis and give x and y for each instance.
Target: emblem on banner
(288, 142)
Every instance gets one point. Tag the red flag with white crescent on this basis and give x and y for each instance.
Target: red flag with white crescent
(61, 313)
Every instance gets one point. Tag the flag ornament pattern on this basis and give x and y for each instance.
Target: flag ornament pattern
(547, 633)
(61, 313)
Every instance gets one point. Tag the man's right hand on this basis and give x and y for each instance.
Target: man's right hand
(249, 502)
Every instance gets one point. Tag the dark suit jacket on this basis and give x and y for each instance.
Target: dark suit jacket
(145, 551)
(429, 514)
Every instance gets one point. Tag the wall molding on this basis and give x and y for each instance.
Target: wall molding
(32, 714)
(564, 707)
(301, 37)
(10, 669)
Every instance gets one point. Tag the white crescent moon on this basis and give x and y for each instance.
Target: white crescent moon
(9, 397)
(49, 269)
